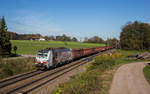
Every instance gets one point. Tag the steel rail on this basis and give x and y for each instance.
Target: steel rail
(19, 78)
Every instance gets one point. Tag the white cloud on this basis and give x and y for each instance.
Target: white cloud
(33, 23)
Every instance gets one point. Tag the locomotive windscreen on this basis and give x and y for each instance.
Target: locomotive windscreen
(42, 55)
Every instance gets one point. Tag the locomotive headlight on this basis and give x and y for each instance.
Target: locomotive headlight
(44, 62)
(38, 62)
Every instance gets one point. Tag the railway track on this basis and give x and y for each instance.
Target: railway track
(18, 78)
(28, 82)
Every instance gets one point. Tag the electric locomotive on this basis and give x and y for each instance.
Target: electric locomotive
(51, 57)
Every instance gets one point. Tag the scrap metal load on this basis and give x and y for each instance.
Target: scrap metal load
(51, 57)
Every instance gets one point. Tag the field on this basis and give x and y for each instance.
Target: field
(147, 73)
(31, 47)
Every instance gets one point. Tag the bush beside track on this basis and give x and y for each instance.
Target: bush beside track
(98, 77)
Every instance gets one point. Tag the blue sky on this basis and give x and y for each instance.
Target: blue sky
(79, 18)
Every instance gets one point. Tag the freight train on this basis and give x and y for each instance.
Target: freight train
(51, 57)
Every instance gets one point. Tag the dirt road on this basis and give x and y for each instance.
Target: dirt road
(129, 79)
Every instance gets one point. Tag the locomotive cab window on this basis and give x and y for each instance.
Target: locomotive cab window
(42, 55)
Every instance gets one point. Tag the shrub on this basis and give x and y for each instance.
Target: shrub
(105, 61)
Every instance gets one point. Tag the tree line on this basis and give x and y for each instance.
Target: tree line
(97, 39)
(94, 39)
(16, 36)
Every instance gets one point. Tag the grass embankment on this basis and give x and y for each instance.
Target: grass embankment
(147, 73)
(10, 67)
(31, 47)
(98, 77)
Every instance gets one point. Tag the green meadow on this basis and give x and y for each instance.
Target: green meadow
(147, 73)
(31, 47)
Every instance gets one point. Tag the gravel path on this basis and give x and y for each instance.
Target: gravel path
(129, 79)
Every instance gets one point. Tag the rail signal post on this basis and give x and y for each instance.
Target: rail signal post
(15, 49)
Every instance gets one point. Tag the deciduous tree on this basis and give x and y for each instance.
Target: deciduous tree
(135, 36)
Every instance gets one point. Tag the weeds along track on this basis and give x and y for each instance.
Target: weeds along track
(29, 82)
